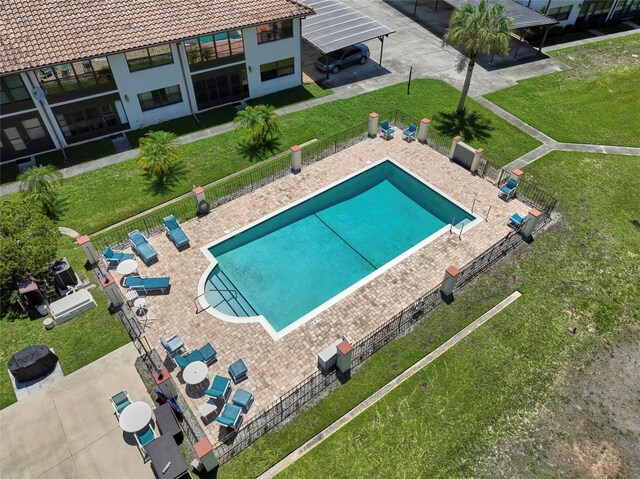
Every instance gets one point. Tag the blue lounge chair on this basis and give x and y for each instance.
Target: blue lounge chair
(386, 130)
(517, 221)
(142, 246)
(146, 285)
(173, 344)
(410, 132)
(175, 232)
(185, 359)
(143, 438)
(242, 398)
(114, 258)
(230, 416)
(220, 388)
(509, 189)
(120, 401)
(238, 371)
(208, 352)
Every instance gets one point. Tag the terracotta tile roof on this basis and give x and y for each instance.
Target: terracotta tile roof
(34, 33)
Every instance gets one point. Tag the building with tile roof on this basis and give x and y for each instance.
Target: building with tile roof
(76, 71)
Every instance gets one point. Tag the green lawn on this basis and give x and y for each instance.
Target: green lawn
(105, 196)
(594, 102)
(292, 96)
(583, 272)
(77, 343)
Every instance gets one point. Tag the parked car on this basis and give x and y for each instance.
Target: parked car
(344, 57)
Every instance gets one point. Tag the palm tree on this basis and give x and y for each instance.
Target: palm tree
(261, 121)
(481, 28)
(40, 185)
(158, 155)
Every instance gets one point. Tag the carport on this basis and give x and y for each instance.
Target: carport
(336, 25)
(523, 18)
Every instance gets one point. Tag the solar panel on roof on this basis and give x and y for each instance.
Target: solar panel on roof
(336, 25)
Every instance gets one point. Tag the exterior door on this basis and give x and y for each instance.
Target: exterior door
(23, 135)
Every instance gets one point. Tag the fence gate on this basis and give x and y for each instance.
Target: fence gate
(463, 155)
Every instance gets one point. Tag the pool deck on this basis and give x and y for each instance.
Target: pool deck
(275, 367)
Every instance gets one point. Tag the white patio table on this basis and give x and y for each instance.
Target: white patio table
(135, 417)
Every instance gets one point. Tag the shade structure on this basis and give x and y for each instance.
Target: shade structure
(336, 25)
(523, 16)
(32, 362)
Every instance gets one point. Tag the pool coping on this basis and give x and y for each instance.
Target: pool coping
(276, 335)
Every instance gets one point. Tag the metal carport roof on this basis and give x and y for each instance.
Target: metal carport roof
(336, 25)
(523, 16)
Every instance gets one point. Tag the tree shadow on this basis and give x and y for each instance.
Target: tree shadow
(470, 125)
(253, 151)
(158, 186)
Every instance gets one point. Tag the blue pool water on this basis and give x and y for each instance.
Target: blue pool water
(287, 265)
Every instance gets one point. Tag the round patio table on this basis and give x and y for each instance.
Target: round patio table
(141, 305)
(195, 372)
(135, 417)
(127, 267)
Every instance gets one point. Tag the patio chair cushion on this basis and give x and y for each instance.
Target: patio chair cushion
(146, 436)
(410, 131)
(509, 186)
(242, 398)
(173, 344)
(121, 401)
(219, 388)
(230, 416)
(238, 370)
(208, 353)
(147, 284)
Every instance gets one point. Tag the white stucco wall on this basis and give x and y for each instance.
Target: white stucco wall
(256, 55)
(132, 83)
(542, 4)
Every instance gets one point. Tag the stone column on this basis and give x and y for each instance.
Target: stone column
(454, 144)
(450, 280)
(516, 174)
(200, 199)
(530, 222)
(204, 451)
(296, 159)
(373, 125)
(344, 359)
(112, 291)
(423, 130)
(88, 249)
(476, 160)
(163, 380)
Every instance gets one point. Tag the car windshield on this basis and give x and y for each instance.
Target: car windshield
(337, 55)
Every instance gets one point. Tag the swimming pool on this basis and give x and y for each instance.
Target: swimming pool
(286, 268)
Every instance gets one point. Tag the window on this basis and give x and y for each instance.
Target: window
(270, 32)
(272, 70)
(214, 47)
(158, 98)
(88, 120)
(149, 57)
(12, 90)
(75, 76)
(560, 13)
(220, 89)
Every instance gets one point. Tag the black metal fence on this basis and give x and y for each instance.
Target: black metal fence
(319, 384)
(322, 148)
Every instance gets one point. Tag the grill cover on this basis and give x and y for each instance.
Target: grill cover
(32, 362)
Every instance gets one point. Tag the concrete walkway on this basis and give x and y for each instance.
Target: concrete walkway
(390, 386)
(69, 430)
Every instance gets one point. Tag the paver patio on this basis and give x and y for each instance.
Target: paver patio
(277, 366)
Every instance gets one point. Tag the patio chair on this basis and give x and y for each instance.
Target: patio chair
(146, 285)
(509, 189)
(230, 417)
(208, 352)
(114, 258)
(220, 388)
(143, 438)
(238, 371)
(172, 345)
(517, 221)
(142, 247)
(175, 232)
(386, 130)
(183, 360)
(120, 401)
(242, 398)
(410, 133)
